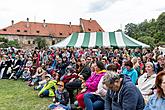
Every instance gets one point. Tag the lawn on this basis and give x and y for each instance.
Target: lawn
(16, 95)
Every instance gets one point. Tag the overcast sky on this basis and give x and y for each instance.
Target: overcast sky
(110, 14)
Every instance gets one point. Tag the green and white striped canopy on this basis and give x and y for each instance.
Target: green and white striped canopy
(99, 39)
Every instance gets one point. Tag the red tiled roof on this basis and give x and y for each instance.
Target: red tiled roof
(91, 26)
(55, 30)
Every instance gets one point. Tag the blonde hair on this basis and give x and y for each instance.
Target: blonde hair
(149, 63)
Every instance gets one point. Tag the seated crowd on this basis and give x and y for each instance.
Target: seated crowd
(90, 79)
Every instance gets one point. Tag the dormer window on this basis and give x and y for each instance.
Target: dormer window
(4, 29)
(38, 31)
(60, 33)
(99, 29)
(18, 30)
(69, 33)
(25, 30)
(29, 42)
(89, 29)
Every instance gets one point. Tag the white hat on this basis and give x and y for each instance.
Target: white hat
(48, 75)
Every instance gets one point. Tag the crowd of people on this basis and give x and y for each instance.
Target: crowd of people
(90, 79)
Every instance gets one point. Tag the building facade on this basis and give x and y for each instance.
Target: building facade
(27, 32)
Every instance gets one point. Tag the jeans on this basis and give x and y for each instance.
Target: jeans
(93, 102)
(53, 106)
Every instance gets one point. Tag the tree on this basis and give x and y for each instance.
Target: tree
(131, 30)
(41, 43)
(8, 43)
(147, 40)
(13, 43)
(2, 39)
(154, 28)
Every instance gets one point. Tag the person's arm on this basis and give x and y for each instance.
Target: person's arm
(108, 101)
(101, 90)
(86, 72)
(130, 99)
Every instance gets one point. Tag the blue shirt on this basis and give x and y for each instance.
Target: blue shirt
(155, 103)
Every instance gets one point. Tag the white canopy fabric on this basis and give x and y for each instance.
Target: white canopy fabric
(100, 39)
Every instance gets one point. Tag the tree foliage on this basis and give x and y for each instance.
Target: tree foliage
(153, 30)
(5, 43)
(41, 43)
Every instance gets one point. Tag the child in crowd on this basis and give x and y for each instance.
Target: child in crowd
(49, 87)
(61, 98)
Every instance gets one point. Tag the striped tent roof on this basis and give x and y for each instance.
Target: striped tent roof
(100, 39)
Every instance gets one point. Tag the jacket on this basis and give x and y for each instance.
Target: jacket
(127, 98)
(51, 85)
(63, 97)
(146, 84)
(93, 81)
(132, 74)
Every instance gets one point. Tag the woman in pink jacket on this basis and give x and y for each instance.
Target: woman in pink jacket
(92, 82)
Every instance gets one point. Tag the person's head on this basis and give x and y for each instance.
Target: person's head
(48, 77)
(128, 64)
(112, 67)
(88, 59)
(83, 61)
(134, 60)
(59, 60)
(104, 61)
(93, 67)
(161, 59)
(160, 84)
(112, 80)
(139, 60)
(60, 86)
(99, 66)
(149, 67)
(64, 58)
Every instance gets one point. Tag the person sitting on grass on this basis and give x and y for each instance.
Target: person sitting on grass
(49, 87)
(40, 72)
(61, 98)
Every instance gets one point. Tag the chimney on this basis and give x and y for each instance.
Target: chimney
(70, 24)
(27, 22)
(90, 20)
(12, 22)
(44, 24)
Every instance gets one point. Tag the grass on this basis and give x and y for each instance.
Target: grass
(16, 95)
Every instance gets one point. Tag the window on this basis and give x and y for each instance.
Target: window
(38, 31)
(89, 29)
(28, 42)
(60, 33)
(99, 29)
(33, 42)
(18, 30)
(53, 42)
(4, 29)
(25, 30)
(69, 33)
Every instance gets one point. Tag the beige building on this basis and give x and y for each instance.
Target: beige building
(26, 32)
